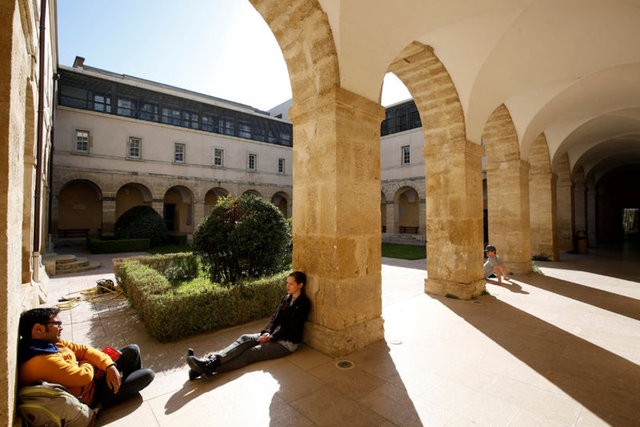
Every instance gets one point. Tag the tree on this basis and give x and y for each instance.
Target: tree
(243, 237)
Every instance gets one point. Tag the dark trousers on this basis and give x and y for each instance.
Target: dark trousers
(246, 350)
(134, 378)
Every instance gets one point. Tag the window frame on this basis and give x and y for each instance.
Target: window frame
(282, 166)
(139, 148)
(183, 153)
(86, 142)
(216, 158)
(252, 162)
(405, 155)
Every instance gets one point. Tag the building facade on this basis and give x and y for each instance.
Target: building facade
(122, 141)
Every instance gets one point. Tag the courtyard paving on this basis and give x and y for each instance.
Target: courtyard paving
(560, 348)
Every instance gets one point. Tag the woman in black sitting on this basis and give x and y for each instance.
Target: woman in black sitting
(281, 336)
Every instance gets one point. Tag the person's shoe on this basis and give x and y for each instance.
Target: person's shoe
(203, 366)
(193, 375)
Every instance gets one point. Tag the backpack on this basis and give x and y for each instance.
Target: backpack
(51, 405)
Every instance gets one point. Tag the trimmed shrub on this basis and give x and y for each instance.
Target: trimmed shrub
(243, 237)
(174, 267)
(142, 222)
(109, 246)
(170, 313)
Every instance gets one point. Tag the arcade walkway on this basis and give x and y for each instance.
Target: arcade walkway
(559, 349)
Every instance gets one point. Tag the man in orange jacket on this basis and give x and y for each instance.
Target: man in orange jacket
(89, 374)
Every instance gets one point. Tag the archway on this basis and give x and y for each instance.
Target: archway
(79, 209)
(178, 209)
(281, 201)
(408, 206)
(130, 195)
(211, 199)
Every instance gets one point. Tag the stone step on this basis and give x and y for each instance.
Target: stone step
(71, 264)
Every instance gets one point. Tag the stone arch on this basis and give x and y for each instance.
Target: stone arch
(302, 31)
(453, 176)
(79, 208)
(507, 192)
(407, 202)
(542, 196)
(130, 195)
(282, 202)
(178, 209)
(212, 197)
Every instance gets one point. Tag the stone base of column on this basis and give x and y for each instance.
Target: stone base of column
(345, 341)
(523, 267)
(459, 290)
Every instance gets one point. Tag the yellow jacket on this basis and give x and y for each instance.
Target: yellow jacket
(72, 367)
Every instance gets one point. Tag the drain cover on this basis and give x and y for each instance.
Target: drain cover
(344, 364)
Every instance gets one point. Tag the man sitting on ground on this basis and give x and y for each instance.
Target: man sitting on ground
(89, 374)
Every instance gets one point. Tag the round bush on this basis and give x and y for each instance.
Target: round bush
(142, 222)
(243, 237)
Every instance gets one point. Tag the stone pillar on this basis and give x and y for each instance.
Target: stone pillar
(454, 218)
(542, 197)
(592, 206)
(199, 208)
(336, 218)
(158, 206)
(579, 203)
(507, 193)
(108, 214)
(392, 218)
(422, 208)
(564, 204)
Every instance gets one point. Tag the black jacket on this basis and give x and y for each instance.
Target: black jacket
(287, 323)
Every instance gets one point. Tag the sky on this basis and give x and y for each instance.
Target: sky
(221, 48)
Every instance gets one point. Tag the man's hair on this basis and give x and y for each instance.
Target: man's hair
(299, 277)
(34, 316)
(490, 248)
(28, 319)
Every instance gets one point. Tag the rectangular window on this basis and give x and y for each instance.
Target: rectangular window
(406, 155)
(101, 103)
(209, 123)
(126, 107)
(82, 141)
(133, 150)
(148, 111)
(218, 157)
(281, 166)
(179, 153)
(251, 161)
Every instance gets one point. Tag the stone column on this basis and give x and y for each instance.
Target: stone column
(198, 212)
(507, 192)
(564, 205)
(454, 218)
(392, 218)
(158, 206)
(508, 211)
(108, 214)
(336, 218)
(592, 201)
(542, 197)
(580, 204)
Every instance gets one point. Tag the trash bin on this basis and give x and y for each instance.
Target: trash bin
(582, 243)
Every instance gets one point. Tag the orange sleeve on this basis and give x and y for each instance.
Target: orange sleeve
(56, 368)
(84, 353)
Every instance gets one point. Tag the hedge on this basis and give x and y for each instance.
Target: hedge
(170, 314)
(109, 246)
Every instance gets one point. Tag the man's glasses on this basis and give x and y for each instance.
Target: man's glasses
(57, 323)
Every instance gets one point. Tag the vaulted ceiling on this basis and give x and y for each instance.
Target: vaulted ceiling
(568, 68)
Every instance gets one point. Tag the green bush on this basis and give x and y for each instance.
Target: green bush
(109, 246)
(142, 222)
(174, 267)
(170, 312)
(243, 237)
